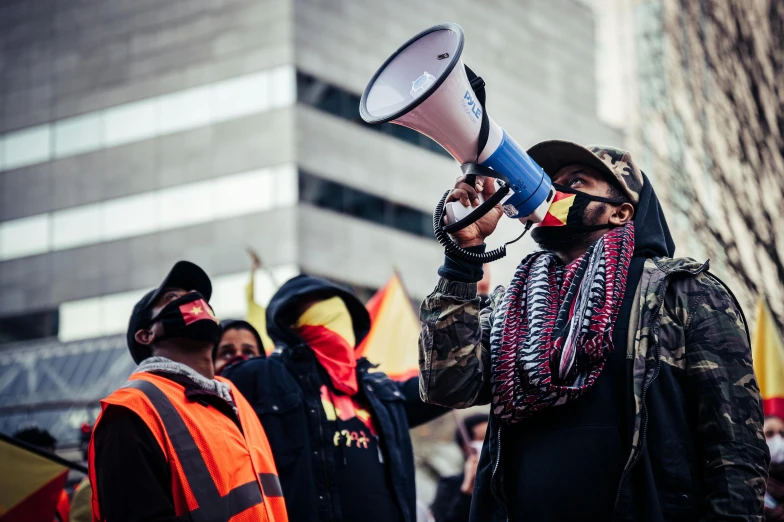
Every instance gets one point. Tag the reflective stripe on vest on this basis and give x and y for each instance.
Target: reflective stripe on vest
(212, 506)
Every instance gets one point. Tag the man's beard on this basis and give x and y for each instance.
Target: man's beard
(565, 238)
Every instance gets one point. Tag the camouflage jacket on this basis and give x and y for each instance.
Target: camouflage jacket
(688, 357)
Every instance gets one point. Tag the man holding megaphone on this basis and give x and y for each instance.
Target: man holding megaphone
(620, 379)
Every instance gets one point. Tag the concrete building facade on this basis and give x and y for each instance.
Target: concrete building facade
(135, 133)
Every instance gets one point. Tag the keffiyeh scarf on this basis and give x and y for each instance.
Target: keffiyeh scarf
(553, 334)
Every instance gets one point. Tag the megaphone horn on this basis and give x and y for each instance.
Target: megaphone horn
(425, 86)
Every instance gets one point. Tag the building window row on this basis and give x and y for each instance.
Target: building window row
(108, 314)
(347, 200)
(146, 213)
(338, 102)
(157, 116)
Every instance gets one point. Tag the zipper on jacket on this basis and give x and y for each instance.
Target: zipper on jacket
(644, 430)
(322, 454)
(492, 476)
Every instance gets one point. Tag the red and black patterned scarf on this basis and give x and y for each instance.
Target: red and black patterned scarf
(553, 334)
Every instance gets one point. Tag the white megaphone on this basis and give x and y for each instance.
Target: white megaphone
(424, 86)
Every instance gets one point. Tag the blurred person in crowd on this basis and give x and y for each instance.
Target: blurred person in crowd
(774, 497)
(45, 441)
(453, 496)
(177, 442)
(239, 342)
(338, 431)
(620, 378)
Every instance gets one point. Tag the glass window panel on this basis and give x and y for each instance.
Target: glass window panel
(329, 100)
(78, 319)
(27, 146)
(243, 193)
(364, 206)
(321, 192)
(2, 152)
(283, 86)
(285, 183)
(77, 135)
(24, 237)
(76, 226)
(117, 309)
(183, 110)
(240, 96)
(185, 205)
(228, 295)
(129, 122)
(131, 216)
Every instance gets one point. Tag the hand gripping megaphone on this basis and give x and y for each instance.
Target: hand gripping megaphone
(425, 86)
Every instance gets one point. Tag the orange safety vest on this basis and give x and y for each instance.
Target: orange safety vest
(218, 472)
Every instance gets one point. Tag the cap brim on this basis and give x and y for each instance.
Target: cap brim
(553, 155)
(187, 276)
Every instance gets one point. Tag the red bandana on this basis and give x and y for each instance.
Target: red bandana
(327, 328)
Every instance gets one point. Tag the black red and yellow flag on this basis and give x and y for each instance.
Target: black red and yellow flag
(31, 482)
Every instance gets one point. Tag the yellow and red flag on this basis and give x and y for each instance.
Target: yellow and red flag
(30, 483)
(256, 315)
(392, 340)
(767, 350)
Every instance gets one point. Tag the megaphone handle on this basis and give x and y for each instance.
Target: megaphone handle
(452, 248)
(480, 211)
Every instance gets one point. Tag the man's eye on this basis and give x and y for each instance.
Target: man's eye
(576, 181)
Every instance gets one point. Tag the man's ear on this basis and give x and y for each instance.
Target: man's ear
(623, 214)
(145, 337)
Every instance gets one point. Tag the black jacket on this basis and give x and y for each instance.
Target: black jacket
(691, 421)
(451, 504)
(284, 391)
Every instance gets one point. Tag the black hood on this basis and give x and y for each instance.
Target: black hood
(282, 309)
(651, 234)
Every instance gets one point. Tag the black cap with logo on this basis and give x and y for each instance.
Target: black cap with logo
(184, 275)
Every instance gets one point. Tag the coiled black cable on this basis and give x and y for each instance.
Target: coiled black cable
(453, 249)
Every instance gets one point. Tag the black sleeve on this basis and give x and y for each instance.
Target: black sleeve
(456, 269)
(418, 412)
(451, 504)
(134, 482)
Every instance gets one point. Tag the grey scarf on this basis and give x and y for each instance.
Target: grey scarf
(164, 365)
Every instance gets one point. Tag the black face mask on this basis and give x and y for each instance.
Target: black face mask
(574, 230)
(189, 317)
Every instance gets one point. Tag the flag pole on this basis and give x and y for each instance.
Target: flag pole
(43, 453)
(461, 427)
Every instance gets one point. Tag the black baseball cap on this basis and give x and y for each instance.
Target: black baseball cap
(185, 275)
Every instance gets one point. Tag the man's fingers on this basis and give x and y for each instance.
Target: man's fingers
(467, 195)
(459, 195)
(489, 188)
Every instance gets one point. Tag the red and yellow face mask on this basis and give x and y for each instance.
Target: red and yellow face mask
(568, 208)
(329, 331)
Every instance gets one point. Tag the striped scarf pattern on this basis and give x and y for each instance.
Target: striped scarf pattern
(553, 333)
